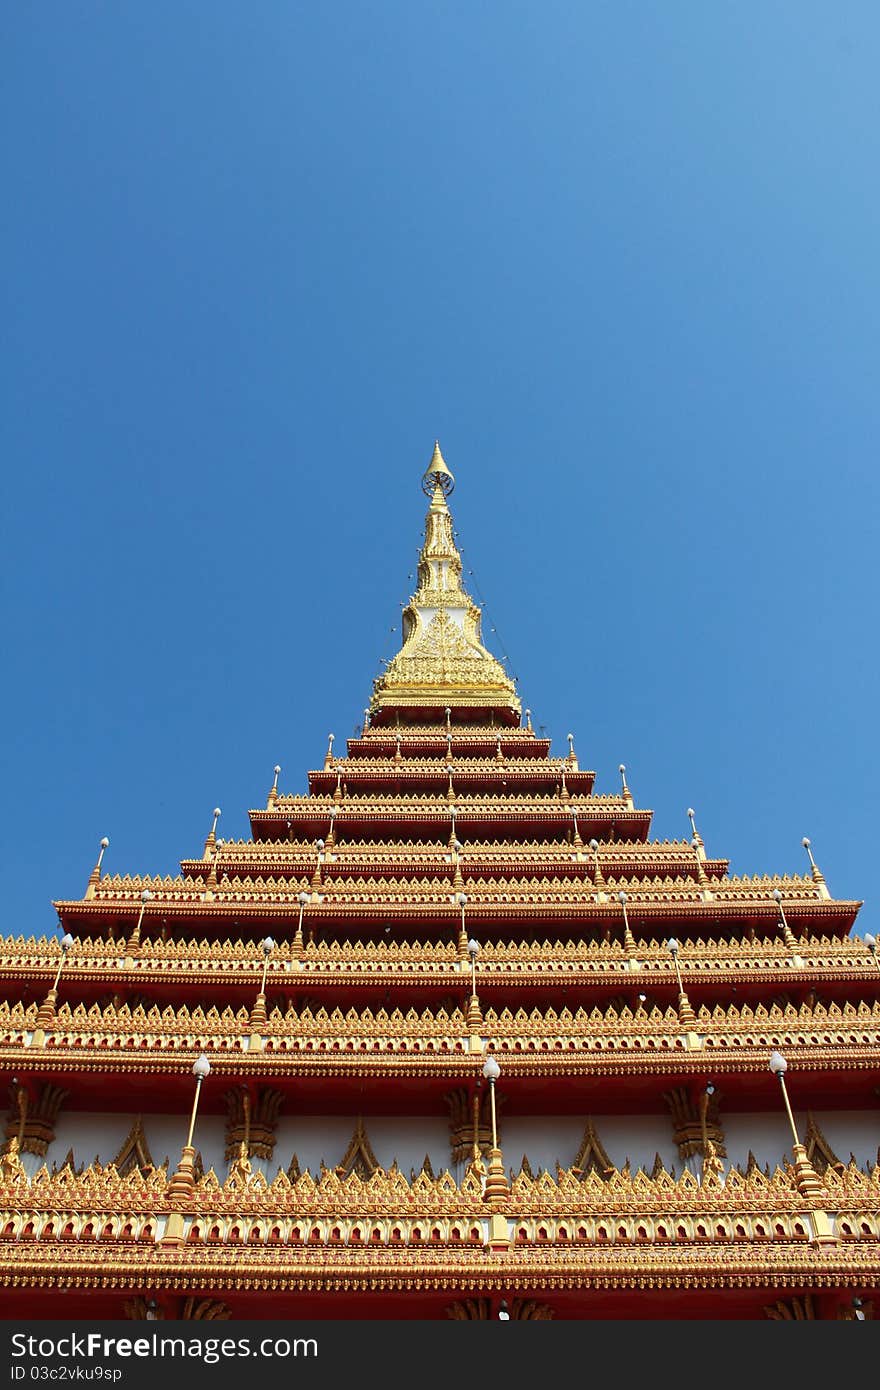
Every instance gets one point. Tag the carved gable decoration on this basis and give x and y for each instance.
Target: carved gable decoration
(592, 1156)
(359, 1157)
(135, 1152)
(819, 1151)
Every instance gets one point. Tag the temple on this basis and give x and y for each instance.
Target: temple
(450, 1036)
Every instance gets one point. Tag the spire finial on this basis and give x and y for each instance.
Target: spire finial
(529, 720)
(328, 756)
(437, 474)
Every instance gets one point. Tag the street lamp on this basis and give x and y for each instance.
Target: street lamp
(133, 944)
(685, 1012)
(816, 873)
(302, 899)
(181, 1185)
(267, 946)
(779, 1066)
(598, 878)
(66, 943)
(316, 876)
(673, 947)
(786, 929)
(258, 1012)
(95, 875)
(497, 1187)
(473, 952)
(209, 842)
(806, 1178)
(628, 938)
(461, 900)
(492, 1071)
(46, 1012)
(200, 1069)
(475, 1017)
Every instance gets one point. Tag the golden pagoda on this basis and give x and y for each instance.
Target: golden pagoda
(449, 1037)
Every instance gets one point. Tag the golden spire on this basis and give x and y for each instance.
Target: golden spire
(442, 662)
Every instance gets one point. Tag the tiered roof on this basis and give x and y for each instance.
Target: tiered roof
(448, 817)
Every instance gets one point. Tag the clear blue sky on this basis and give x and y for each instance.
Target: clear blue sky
(622, 258)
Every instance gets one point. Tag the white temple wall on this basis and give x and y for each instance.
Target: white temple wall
(406, 1138)
(546, 1140)
(768, 1135)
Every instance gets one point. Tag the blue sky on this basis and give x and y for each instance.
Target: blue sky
(621, 258)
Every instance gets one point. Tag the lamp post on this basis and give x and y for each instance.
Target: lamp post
(267, 946)
(816, 873)
(258, 1012)
(461, 900)
(474, 1017)
(871, 943)
(457, 880)
(201, 1068)
(805, 1175)
(497, 1187)
(66, 943)
(625, 791)
(788, 935)
(685, 1012)
(133, 944)
(491, 1072)
(598, 877)
(46, 1013)
(316, 876)
(302, 899)
(629, 943)
(702, 877)
(95, 875)
(209, 842)
(181, 1186)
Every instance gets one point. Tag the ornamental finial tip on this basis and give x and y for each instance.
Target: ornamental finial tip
(437, 474)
